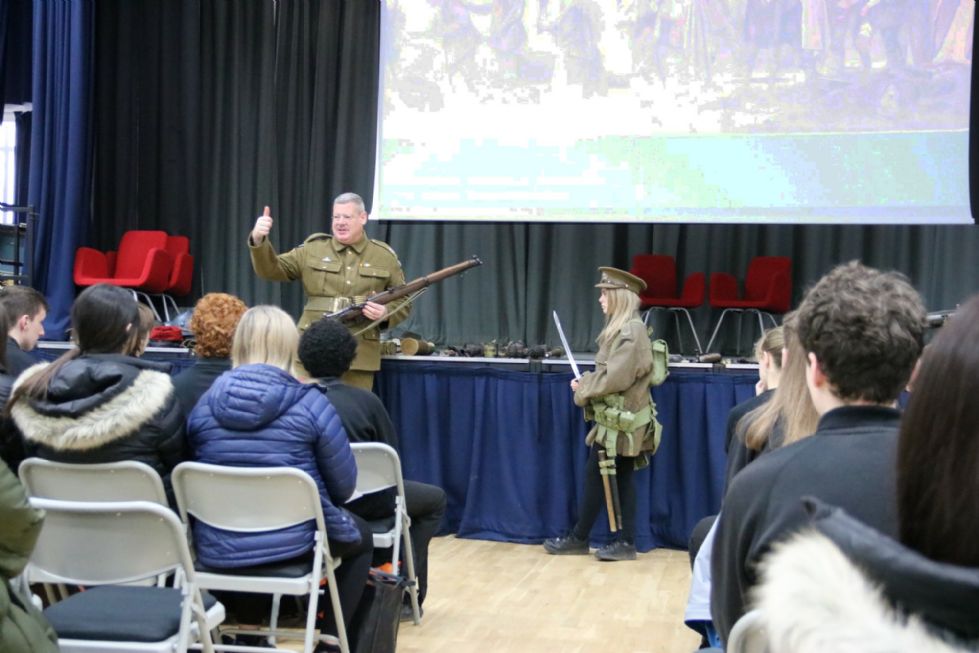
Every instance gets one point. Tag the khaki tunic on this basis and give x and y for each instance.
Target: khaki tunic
(335, 275)
(622, 367)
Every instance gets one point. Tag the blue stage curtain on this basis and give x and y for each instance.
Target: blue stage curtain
(60, 179)
(508, 448)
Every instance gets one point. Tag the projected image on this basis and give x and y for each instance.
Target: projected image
(678, 109)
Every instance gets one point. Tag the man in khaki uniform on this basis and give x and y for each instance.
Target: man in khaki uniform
(338, 271)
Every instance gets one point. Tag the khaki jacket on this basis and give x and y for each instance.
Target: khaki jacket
(622, 367)
(333, 275)
(23, 628)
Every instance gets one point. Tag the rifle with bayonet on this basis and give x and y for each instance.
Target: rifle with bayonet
(391, 294)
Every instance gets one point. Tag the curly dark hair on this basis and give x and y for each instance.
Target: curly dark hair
(213, 323)
(327, 348)
(866, 328)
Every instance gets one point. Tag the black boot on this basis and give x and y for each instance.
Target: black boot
(568, 545)
(618, 550)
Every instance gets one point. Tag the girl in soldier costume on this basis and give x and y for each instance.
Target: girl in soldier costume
(616, 397)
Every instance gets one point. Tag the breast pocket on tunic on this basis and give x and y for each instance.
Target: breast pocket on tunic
(373, 277)
(322, 278)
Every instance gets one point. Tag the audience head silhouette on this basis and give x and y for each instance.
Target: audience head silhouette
(265, 334)
(327, 348)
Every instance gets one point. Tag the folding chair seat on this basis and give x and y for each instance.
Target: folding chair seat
(105, 547)
(379, 468)
(256, 499)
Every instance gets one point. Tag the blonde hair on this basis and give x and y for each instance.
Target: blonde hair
(265, 334)
(772, 342)
(790, 406)
(621, 306)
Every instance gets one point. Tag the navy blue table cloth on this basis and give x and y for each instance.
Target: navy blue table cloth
(508, 448)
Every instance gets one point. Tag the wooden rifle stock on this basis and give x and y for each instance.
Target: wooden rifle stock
(354, 311)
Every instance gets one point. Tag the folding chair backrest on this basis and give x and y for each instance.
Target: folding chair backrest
(98, 543)
(247, 499)
(127, 480)
(378, 467)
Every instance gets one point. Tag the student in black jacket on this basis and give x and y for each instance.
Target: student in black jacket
(326, 350)
(862, 331)
(27, 309)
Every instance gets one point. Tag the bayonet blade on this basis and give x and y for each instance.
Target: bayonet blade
(567, 349)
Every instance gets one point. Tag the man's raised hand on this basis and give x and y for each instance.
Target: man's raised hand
(263, 225)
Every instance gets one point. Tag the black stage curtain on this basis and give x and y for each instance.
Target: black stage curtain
(209, 110)
(16, 40)
(531, 269)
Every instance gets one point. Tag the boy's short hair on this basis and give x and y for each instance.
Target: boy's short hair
(866, 328)
(21, 300)
(327, 349)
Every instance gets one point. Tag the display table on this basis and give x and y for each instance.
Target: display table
(507, 445)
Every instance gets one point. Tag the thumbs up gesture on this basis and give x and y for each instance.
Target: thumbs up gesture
(263, 225)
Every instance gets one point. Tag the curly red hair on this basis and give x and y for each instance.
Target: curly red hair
(213, 323)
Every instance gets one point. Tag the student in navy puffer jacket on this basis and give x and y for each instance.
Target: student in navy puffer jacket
(259, 415)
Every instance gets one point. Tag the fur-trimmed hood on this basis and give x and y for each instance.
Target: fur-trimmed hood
(812, 599)
(92, 401)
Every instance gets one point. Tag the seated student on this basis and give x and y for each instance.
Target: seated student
(818, 600)
(27, 309)
(11, 441)
(23, 629)
(139, 336)
(213, 324)
(260, 415)
(862, 331)
(94, 404)
(787, 417)
(326, 350)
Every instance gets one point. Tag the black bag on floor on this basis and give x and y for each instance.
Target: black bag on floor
(374, 627)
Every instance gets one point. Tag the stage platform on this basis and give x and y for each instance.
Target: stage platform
(506, 442)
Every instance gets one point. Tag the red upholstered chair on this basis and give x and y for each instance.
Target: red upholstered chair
(181, 276)
(767, 290)
(659, 273)
(142, 264)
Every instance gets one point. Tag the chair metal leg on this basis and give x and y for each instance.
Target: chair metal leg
(693, 330)
(676, 327)
(149, 302)
(274, 617)
(710, 343)
(410, 565)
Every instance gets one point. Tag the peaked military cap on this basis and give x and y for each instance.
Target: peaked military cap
(616, 278)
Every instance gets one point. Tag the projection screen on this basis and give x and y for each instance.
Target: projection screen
(798, 111)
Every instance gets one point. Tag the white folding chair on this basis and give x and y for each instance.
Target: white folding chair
(379, 468)
(126, 480)
(254, 499)
(104, 546)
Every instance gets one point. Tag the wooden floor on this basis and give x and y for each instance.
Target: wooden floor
(490, 596)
